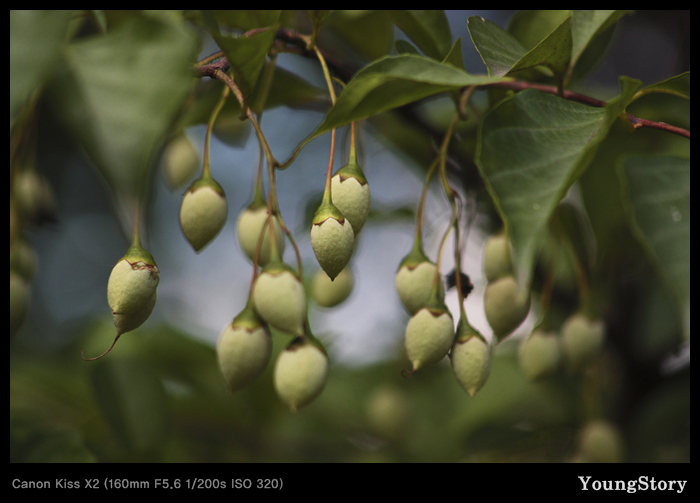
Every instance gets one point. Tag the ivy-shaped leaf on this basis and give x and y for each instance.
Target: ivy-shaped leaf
(657, 192)
(531, 149)
(428, 29)
(121, 91)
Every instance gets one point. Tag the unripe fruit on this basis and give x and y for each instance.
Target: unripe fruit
(600, 442)
(244, 349)
(327, 293)
(582, 339)
(203, 212)
(132, 284)
(414, 283)
(497, 261)
(301, 373)
(332, 239)
(350, 193)
(279, 298)
(506, 306)
(250, 224)
(388, 412)
(429, 336)
(34, 196)
(470, 358)
(180, 161)
(132, 291)
(539, 354)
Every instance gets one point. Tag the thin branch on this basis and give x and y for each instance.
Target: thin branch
(519, 85)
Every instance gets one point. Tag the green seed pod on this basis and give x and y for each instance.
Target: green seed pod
(332, 239)
(19, 301)
(251, 222)
(388, 412)
(132, 283)
(203, 212)
(244, 349)
(301, 372)
(34, 196)
(506, 306)
(414, 281)
(470, 358)
(539, 354)
(132, 291)
(180, 161)
(497, 261)
(600, 442)
(327, 293)
(350, 193)
(279, 298)
(582, 339)
(429, 336)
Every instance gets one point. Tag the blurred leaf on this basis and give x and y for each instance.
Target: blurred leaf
(586, 25)
(288, 89)
(121, 91)
(428, 29)
(246, 56)
(246, 20)
(404, 47)
(369, 32)
(532, 148)
(36, 40)
(134, 402)
(677, 86)
(393, 81)
(658, 188)
(498, 49)
(56, 447)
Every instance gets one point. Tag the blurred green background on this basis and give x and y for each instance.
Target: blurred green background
(159, 396)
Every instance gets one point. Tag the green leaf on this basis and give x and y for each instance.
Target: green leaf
(678, 86)
(246, 56)
(657, 189)
(393, 81)
(531, 149)
(370, 33)
(586, 25)
(404, 47)
(498, 49)
(530, 27)
(134, 402)
(247, 19)
(553, 52)
(428, 29)
(36, 39)
(120, 93)
(455, 57)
